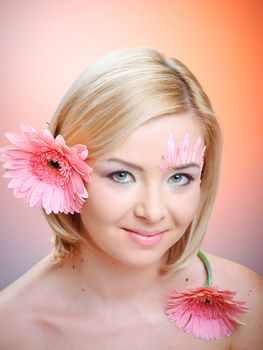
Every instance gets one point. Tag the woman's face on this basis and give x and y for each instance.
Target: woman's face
(136, 211)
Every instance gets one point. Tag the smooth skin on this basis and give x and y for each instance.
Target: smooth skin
(111, 294)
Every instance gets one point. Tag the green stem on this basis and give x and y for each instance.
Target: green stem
(207, 267)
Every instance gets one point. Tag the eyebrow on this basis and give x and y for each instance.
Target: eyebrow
(137, 167)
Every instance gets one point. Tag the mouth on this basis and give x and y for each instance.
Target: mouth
(144, 237)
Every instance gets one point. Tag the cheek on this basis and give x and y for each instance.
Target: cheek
(105, 203)
(184, 206)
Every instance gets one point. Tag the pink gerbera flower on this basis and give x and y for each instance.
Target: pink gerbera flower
(45, 171)
(206, 312)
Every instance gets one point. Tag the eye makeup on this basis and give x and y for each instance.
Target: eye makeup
(188, 178)
(122, 179)
(175, 181)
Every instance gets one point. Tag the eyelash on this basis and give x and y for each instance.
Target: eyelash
(189, 177)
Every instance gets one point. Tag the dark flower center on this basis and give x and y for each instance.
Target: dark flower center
(52, 168)
(54, 164)
(208, 301)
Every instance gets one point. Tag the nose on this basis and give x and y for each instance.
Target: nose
(150, 206)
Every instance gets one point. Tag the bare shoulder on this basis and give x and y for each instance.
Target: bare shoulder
(12, 324)
(249, 288)
(19, 310)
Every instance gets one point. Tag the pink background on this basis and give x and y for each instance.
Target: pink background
(45, 45)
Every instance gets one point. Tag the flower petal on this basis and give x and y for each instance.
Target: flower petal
(206, 312)
(15, 183)
(36, 193)
(27, 128)
(14, 138)
(17, 164)
(45, 171)
(29, 182)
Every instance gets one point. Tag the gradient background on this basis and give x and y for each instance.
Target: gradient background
(45, 45)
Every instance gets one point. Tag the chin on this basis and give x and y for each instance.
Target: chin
(142, 260)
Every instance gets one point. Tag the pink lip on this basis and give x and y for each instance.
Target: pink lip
(143, 237)
(144, 233)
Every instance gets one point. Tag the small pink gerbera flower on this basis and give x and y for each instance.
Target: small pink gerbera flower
(206, 312)
(45, 171)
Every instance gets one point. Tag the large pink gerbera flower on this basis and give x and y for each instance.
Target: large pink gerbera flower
(45, 171)
(206, 312)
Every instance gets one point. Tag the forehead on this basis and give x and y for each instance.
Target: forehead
(150, 139)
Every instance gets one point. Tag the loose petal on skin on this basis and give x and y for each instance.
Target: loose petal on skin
(185, 149)
(201, 157)
(171, 151)
(184, 154)
(195, 150)
(45, 171)
(208, 313)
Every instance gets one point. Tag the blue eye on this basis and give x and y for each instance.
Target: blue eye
(124, 177)
(121, 176)
(181, 179)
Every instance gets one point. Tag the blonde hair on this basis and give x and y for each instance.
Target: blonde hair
(113, 97)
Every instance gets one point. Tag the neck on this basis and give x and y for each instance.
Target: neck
(111, 281)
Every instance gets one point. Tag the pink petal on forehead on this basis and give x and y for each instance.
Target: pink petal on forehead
(201, 157)
(196, 147)
(185, 149)
(182, 155)
(171, 149)
(169, 160)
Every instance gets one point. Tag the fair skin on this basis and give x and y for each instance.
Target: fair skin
(111, 294)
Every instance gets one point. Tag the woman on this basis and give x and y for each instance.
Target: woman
(127, 186)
